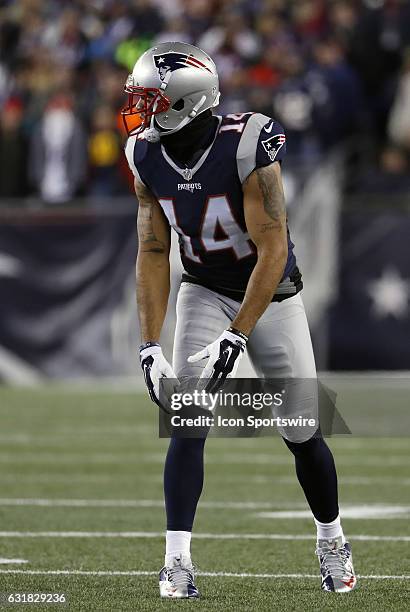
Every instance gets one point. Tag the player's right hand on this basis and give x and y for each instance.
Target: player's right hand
(154, 366)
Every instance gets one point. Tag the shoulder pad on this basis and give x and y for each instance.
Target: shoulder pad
(234, 122)
(263, 142)
(135, 152)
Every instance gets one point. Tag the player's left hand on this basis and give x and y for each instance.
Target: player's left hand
(224, 356)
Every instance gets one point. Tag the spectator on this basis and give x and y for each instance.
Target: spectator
(391, 176)
(147, 18)
(233, 32)
(12, 150)
(322, 68)
(335, 92)
(309, 18)
(293, 106)
(265, 73)
(399, 120)
(343, 17)
(104, 150)
(58, 161)
(174, 29)
(65, 39)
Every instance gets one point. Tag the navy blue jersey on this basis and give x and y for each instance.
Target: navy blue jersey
(204, 203)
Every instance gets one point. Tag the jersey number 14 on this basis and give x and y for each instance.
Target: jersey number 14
(218, 218)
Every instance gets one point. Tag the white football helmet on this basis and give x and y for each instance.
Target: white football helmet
(169, 86)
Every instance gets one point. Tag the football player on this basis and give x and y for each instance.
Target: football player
(216, 180)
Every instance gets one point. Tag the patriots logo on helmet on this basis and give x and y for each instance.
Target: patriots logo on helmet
(171, 61)
(273, 144)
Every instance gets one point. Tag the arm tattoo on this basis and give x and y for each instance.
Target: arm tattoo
(148, 241)
(266, 227)
(272, 194)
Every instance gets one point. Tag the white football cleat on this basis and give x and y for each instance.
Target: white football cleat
(336, 566)
(177, 580)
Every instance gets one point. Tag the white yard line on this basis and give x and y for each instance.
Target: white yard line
(140, 503)
(263, 510)
(347, 480)
(12, 561)
(251, 480)
(75, 458)
(206, 574)
(70, 478)
(359, 511)
(197, 536)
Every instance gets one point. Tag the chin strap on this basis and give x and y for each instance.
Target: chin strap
(152, 134)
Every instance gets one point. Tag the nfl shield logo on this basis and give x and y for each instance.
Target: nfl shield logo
(187, 174)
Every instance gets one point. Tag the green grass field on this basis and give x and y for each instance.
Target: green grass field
(81, 502)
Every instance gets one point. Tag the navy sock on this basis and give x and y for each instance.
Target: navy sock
(184, 474)
(183, 481)
(316, 472)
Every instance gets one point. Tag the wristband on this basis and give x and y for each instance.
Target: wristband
(238, 333)
(148, 344)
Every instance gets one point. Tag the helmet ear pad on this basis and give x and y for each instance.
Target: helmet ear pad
(179, 105)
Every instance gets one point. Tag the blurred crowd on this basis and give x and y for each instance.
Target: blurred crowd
(331, 71)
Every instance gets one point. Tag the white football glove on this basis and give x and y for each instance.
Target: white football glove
(154, 366)
(224, 357)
